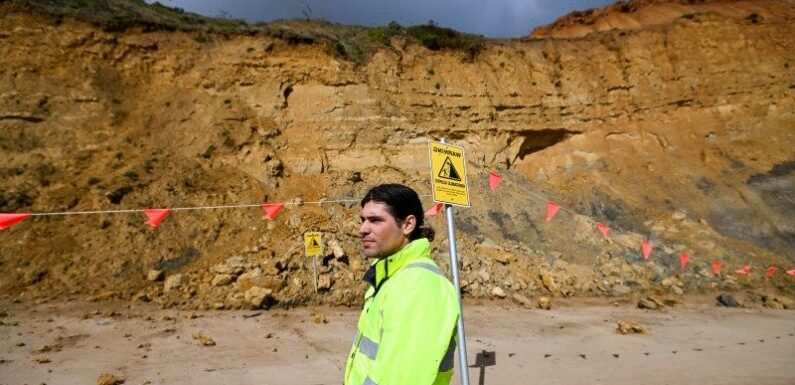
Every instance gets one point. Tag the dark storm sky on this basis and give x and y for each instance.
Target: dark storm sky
(491, 18)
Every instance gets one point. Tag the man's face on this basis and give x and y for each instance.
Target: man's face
(382, 234)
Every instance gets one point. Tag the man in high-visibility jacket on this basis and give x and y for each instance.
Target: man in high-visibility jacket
(406, 332)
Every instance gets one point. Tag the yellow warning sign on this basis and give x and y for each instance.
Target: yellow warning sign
(313, 244)
(448, 174)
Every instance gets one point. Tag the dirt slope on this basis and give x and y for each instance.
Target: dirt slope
(679, 130)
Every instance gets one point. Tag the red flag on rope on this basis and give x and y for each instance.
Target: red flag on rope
(683, 260)
(8, 220)
(552, 210)
(156, 216)
(745, 270)
(434, 211)
(603, 229)
(494, 180)
(771, 271)
(791, 272)
(646, 247)
(271, 210)
(716, 267)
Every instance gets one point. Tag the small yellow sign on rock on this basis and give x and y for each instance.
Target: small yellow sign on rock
(313, 244)
(448, 174)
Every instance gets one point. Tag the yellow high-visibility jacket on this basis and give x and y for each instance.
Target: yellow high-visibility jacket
(407, 330)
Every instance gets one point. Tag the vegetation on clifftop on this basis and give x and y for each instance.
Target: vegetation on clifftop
(354, 43)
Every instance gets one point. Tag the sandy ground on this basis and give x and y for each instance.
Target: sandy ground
(689, 344)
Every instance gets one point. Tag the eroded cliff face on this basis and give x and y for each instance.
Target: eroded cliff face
(681, 131)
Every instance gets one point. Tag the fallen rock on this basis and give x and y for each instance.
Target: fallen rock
(320, 318)
(544, 303)
(236, 261)
(155, 275)
(727, 300)
(671, 302)
(630, 327)
(324, 282)
(503, 258)
(257, 296)
(141, 297)
(498, 292)
(549, 282)
(336, 249)
(109, 379)
(483, 276)
(662, 304)
(47, 349)
(173, 282)
(646, 303)
(770, 304)
(203, 339)
(222, 280)
(621, 290)
(785, 302)
(522, 300)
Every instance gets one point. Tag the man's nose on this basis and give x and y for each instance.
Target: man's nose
(364, 229)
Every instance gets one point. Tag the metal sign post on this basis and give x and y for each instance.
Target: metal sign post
(313, 247)
(456, 193)
(462, 340)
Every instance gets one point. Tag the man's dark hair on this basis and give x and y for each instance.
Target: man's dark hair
(401, 201)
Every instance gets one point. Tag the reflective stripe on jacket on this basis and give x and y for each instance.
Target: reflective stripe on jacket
(406, 332)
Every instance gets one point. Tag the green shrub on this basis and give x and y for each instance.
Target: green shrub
(208, 152)
(436, 38)
(131, 175)
(754, 18)
(200, 38)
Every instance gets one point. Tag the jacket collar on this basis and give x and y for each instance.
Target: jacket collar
(382, 269)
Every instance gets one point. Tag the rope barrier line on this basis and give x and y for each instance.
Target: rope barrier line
(646, 237)
(564, 208)
(332, 201)
(180, 208)
(320, 202)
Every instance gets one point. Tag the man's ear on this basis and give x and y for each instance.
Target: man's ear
(409, 224)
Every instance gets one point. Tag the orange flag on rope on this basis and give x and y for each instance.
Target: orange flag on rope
(155, 216)
(434, 211)
(646, 247)
(683, 260)
(716, 267)
(603, 229)
(771, 271)
(791, 272)
(8, 220)
(552, 210)
(494, 180)
(745, 270)
(271, 210)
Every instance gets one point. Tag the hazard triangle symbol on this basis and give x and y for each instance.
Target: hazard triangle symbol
(314, 243)
(448, 171)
